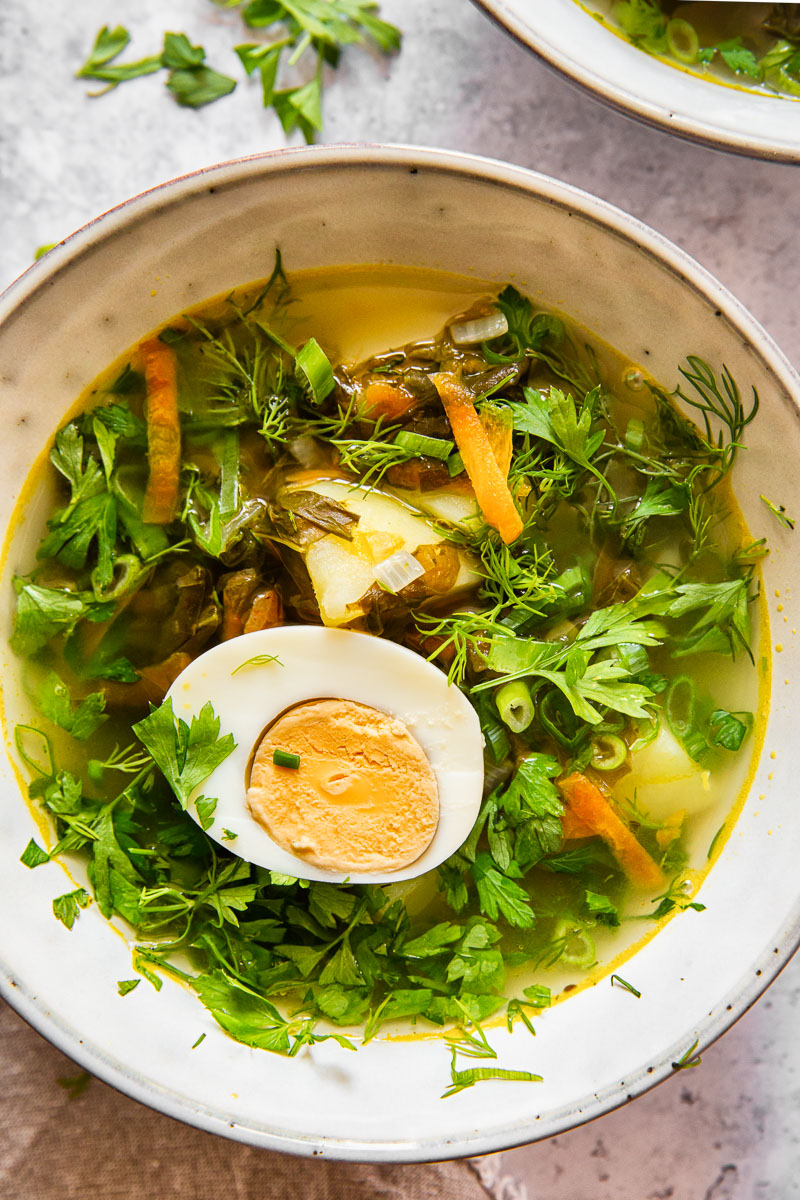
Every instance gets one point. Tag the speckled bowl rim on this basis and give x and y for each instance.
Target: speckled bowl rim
(630, 103)
(616, 223)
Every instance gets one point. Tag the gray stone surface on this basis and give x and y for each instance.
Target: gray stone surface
(728, 1129)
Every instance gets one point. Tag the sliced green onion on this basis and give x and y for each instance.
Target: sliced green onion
(681, 711)
(455, 464)
(497, 741)
(30, 734)
(283, 758)
(579, 949)
(609, 752)
(682, 40)
(558, 719)
(648, 732)
(128, 574)
(315, 371)
(681, 705)
(228, 455)
(418, 443)
(634, 434)
(515, 705)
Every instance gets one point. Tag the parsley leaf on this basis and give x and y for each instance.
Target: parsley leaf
(179, 53)
(323, 27)
(66, 907)
(109, 43)
(205, 811)
(54, 701)
(197, 86)
(436, 941)
(724, 623)
(33, 855)
(498, 894)
(739, 58)
(185, 754)
(728, 730)
(42, 613)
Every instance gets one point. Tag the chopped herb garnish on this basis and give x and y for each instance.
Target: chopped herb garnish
(307, 32)
(125, 986)
(76, 1085)
(284, 758)
(258, 660)
(779, 512)
(628, 987)
(689, 1059)
(33, 855)
(186, 754)
(66, 907)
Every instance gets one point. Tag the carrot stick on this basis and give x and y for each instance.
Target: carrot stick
(163, 433)
(588, 804)
(386, 400)
(501, 436)
(574, 827)
(491, 490)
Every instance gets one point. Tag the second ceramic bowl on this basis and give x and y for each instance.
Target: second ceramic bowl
(564, 34)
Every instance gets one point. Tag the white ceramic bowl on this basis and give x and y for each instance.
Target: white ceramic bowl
(567, 37)
(137, 265)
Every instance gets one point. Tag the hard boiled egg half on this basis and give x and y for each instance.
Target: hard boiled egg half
(354, 760)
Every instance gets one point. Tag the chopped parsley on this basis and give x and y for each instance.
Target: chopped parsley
(304, 35)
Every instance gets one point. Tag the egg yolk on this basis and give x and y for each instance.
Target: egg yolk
(364, 797)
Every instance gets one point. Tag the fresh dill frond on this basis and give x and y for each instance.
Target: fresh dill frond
(468, 635)
(720, 402)
(520, 579)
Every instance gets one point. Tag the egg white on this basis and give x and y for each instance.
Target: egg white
(317, 663)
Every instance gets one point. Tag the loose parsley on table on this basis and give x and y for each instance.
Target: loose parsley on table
(298, 32)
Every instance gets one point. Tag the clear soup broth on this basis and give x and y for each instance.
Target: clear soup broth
(575, 563)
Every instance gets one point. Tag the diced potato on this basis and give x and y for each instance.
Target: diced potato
(377, 546)
(666, 778)
(340, 577)
(341, 571)
(456, 508)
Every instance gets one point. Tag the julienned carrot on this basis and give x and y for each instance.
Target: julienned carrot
(573, 827)
(588, 804)
(163, 433)
(491, 490)
(500, 433)
(387, 400)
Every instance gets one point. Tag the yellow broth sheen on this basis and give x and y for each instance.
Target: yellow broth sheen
(354, 313)
(715, 22)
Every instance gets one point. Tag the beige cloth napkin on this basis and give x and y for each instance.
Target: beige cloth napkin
(99, 1145)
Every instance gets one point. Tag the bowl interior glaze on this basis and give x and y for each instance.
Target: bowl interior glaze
(136, 266)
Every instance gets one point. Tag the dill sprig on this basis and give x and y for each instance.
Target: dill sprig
(468, 635)
(721, 402)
